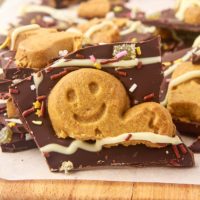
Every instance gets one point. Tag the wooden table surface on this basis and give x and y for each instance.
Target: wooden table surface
(39, 190)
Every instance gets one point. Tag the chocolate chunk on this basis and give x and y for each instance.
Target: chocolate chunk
(167, 19)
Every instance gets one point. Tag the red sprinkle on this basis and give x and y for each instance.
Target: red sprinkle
(182, 148)
(128, 137)
(176, 151)
(122, 73)
(174, 163)
(5, 81)
(13, 91)
(42, 109)
(48, 69)
(79, 56)
(41, 98)
(103, 62)
(28, 111)
(59, 75)
(139, 65)
(29, 78)
(149, 96)
(8, 63)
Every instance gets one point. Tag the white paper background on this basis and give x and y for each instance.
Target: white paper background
(31, 165)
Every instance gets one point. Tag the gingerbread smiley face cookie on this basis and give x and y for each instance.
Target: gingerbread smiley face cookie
(93, 104)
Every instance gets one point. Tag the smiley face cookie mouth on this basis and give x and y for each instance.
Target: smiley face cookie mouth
(96, 116)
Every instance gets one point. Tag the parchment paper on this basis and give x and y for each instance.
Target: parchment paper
(31, 165)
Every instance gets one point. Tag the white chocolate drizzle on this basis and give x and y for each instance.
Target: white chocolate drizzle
(19, 30)
(14, 120)
(183, 5)
(186, 57)
(37, 79)
(3, 101)
(181, 79)
(196, 42)
(137, 26)
(97, 27)
(98, 145)
(121, 64)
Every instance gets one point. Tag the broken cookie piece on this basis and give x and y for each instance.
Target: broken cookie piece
(36, 47)
(94, 8)
(188, 11)
(36, 51)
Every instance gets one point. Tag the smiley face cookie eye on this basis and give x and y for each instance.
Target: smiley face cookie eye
(93, 87)
(71, 95)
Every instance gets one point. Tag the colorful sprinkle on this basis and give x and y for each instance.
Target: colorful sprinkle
(149, 96)
(121, 54)
(97, 65)
(11, 124)
(28, 111)
(63, 53)
(175, 149)
(182, 148)
(37, 122)
(13, 91)
(122, 73)
(36, 104)
(128, 137)
(59, 75)
(79, 56)
(8, 64)
(92, 58)
(117, 9)
(134, 40)
(41, 98)
(139, 65)
(38, 113)
(133, 87)
(138, 50)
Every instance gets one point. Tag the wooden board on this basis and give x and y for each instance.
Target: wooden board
(39, 190)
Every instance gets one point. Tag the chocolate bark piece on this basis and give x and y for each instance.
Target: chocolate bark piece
(185, 128)
(195, 147)
(20, 139)
(45, 20)
(60, 3)
(10, 70)
(167, 19)
(139, 155)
